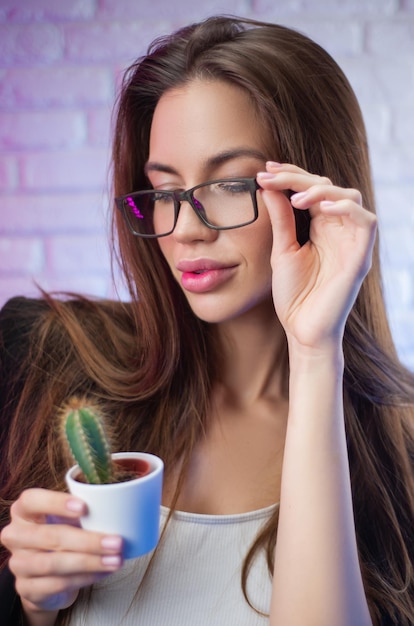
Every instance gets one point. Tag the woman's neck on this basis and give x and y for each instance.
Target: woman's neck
(255, 362)
(236, 465)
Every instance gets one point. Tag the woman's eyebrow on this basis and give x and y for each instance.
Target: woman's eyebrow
(153, 166)
(237, 153)
(212, 162)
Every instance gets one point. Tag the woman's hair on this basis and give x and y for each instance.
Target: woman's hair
(152, 363)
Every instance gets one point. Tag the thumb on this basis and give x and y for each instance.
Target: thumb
(283, 221)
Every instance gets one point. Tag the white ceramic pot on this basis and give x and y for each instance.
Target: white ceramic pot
(130, 509)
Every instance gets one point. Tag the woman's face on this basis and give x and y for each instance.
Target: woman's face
(200, 132)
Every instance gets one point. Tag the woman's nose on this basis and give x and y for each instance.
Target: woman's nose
(189, 226)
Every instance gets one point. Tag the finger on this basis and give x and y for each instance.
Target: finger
(357, 229)
(32, 564)
(290, 177)
(36, 504)
(360, 224)
(283, 222)
(59, 538)
(321, 193)
(273, 166)
(58, 519)
(53, 593)
(354, 212)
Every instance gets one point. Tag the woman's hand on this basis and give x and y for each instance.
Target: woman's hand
(52, 561)
(315, 286)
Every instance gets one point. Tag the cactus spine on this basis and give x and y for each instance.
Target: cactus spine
(88, 443)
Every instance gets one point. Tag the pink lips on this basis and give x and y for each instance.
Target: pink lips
(203, 275)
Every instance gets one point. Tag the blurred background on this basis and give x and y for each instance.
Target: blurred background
(61, 62)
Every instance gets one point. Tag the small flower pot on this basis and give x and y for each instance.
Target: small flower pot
(130, 508)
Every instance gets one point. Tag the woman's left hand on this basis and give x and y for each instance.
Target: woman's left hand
(315, 285)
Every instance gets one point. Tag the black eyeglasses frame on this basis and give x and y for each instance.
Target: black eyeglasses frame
(188, 196)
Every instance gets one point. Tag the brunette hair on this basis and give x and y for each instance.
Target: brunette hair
(153, 363)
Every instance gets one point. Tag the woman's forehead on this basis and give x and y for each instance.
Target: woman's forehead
(204, 120)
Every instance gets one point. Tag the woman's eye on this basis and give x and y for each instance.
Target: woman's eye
(164, 198)
(233, 187)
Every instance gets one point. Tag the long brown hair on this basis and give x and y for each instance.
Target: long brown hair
(153, 363)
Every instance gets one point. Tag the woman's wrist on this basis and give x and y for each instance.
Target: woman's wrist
(328, 352)
(38, 618)
(315, 386)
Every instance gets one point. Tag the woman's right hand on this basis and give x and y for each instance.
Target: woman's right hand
(52, 561)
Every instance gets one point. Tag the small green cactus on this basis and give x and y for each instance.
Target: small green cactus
(83, 428)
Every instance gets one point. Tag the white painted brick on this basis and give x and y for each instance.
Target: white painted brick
(403, 123)
(42, 129)
(335, 8)
(84, 169)
(99, 125)
(89, 42)
(395, 205)
(20, 255)
(11, 286)
(396, 79)
(266, 7)
(399, 288)
(391, 40)
(8, 173)
(340, 8)
(380, 80)
(88, 284)
(378, 123)
(78, 255)
(53, 213)
(27, 10)
(393, 163)
(360, 73)
(397, 246)
(46, 86)
(30, 43)
(184, 10)
(343, 37)
(403, 333)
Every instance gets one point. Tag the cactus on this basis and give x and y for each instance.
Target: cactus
(83, 428)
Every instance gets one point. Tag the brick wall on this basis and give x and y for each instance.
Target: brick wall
(60, 62)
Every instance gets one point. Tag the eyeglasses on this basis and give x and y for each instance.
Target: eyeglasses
(220, 204)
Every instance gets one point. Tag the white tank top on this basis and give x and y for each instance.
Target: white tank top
(194, 580)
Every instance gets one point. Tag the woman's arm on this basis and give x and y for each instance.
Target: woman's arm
(316, 563)
(317, 578)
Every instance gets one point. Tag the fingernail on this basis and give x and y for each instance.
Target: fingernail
(112, 543)
(298, 197)
(273, 164)
(265, 175)
(326, 203)
(76, 506)
(111, 561)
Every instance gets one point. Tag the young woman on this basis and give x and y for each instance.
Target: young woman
(254, 357)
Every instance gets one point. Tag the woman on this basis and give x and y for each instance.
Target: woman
(255, 358)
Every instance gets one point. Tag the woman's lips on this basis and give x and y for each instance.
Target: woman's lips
(201, 277)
